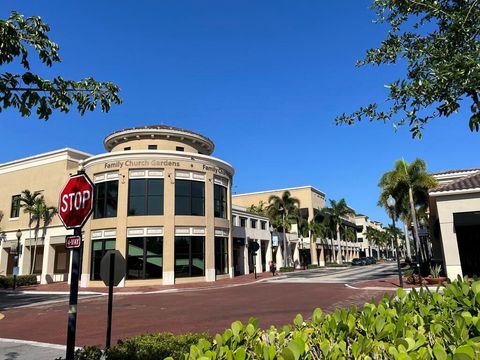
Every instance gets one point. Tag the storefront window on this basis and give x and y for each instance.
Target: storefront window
(145, 197)
(62, 260)
(145, 258)
(220, 201)
(189, 197)
(221, 255)
(106, 199)
(189, 256)
(99, 248)
(15, 206)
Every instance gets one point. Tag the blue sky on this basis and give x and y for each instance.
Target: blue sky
(263, 79)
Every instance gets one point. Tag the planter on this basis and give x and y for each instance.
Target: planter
(435, 281)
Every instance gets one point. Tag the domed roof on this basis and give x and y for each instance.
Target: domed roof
(159, 132)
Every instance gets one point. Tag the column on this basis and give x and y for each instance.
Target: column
(258, 258)
(169, 228)
(246, 265)
(3, 259)
(296, 255)
(48, 262)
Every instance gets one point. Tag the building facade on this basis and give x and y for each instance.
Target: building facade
(304, 249)
(455, 222)
(160, 198)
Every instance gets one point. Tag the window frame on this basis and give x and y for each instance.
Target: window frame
(146, 196)
(105, 200)
(103, 250)
(190, 258)
(145, 256)
(191, 198)
(222, 214)
(15, 206)
(222, 255)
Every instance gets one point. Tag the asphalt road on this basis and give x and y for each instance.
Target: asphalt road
(272, 303)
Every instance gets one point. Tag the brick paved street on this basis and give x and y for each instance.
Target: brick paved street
(209, 310)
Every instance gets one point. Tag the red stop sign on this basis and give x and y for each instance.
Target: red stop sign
(76, 201)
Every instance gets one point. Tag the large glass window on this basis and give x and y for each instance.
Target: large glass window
(15, 207)
(221, 255)
(99, 248)
(145, 258)
(189, 256)
(106, 199)
(145, 197)
(189, 197)
(220, 201)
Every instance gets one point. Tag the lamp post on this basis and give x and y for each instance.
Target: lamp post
(391, 205)
(17, 256)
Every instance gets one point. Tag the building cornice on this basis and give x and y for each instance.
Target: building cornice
(454, 192)
(279, 190)
(159, 154)
(66, 154)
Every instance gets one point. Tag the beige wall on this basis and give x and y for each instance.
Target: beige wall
(446, 206)
(308, 197)
(164, 144)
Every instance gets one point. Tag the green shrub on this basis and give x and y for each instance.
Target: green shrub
(312, 266)
(6, 282)
(287, 269)
(154, 346)
(417, 325)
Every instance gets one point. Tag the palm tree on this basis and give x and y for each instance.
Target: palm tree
(28, 202)
(283, 210)
(37, 214)
(409, 185)
(337, 212)
(317, 230)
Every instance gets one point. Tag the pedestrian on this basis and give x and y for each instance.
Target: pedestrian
(273, 267)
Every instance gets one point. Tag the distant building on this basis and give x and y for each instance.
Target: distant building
(312, 201)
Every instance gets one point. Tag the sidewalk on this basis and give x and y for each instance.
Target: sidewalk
(63, 287)
(389, 283)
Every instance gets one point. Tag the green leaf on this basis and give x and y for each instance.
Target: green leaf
(240, 353)
(439, 352)
(298, 321)
(463, 352)
(287, 354)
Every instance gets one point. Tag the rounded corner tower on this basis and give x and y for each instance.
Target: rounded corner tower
(164, 202)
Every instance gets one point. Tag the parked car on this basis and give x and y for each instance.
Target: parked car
(367, 260)
(358, 262)
(372, 259)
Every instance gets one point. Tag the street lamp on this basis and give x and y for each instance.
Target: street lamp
(391, 204)
(17, 256)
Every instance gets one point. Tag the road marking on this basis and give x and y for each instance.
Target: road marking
(33, 343)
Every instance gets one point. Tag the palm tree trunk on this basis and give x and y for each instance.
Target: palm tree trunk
(313, 248)
(415, 226)
(339, 256)
(34, 251)
(407, 241)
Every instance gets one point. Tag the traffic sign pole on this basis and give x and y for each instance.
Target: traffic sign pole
(75, 207)
(72, 308)
(111, 277)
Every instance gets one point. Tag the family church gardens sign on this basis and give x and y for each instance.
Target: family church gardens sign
(120, 164)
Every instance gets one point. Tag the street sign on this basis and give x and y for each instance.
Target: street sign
(16, 270)
(76, 201)
(73, 241)
(254, 246)
(119, 269)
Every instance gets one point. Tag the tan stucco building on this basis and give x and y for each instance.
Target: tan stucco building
(161, 199)
(455, 221)
(312, 201)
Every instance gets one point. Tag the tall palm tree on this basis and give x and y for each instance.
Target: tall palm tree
(28, 202)
(283, 209)
(37, 214)
(337, 212)
(317, 230)
(409, 185)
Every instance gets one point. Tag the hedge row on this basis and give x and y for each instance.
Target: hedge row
(6, 282)
(424, 324)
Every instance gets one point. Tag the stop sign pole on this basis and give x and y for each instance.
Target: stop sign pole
(75, 207)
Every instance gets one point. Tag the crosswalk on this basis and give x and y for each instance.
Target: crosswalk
(338, 275)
